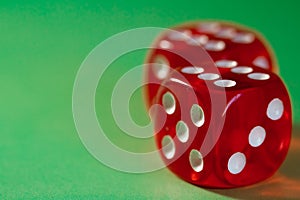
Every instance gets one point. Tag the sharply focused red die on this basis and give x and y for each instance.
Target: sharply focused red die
(227, 44)
(228, 115)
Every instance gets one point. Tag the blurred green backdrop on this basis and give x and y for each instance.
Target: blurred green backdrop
(42, 45)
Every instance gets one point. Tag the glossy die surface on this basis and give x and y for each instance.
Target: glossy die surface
(232, 144)
(227, 44)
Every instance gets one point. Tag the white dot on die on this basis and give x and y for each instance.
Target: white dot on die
(236, 163)
(197, 115)
(275, 109)
(161, 67)
(192, 70)
(182, 131)
(196, 160)
(197, 40)
(261, 62)
(226, 33)
(259, 76)
(169, 103)
(257, 136)
(180, 35)
(244, 38)
(242, 70)
(168, 147)
(208, 76)
(225, 83)
(164, 44)
(209, 27)
(226, 63)
(215, 45)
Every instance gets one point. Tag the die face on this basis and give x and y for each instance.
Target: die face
(179, 123)
(224, 42)
(262, 139)
(250, 145)
(239, 40)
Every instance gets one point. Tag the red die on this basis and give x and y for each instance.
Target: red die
(234, 143)
(227, 44)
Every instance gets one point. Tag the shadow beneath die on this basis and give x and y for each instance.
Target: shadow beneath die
(285, 184)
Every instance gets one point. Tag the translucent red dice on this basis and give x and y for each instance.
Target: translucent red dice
(227, 115)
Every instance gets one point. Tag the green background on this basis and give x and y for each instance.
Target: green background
(42, 45)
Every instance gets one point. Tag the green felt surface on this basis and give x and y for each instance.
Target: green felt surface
(42, 45)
